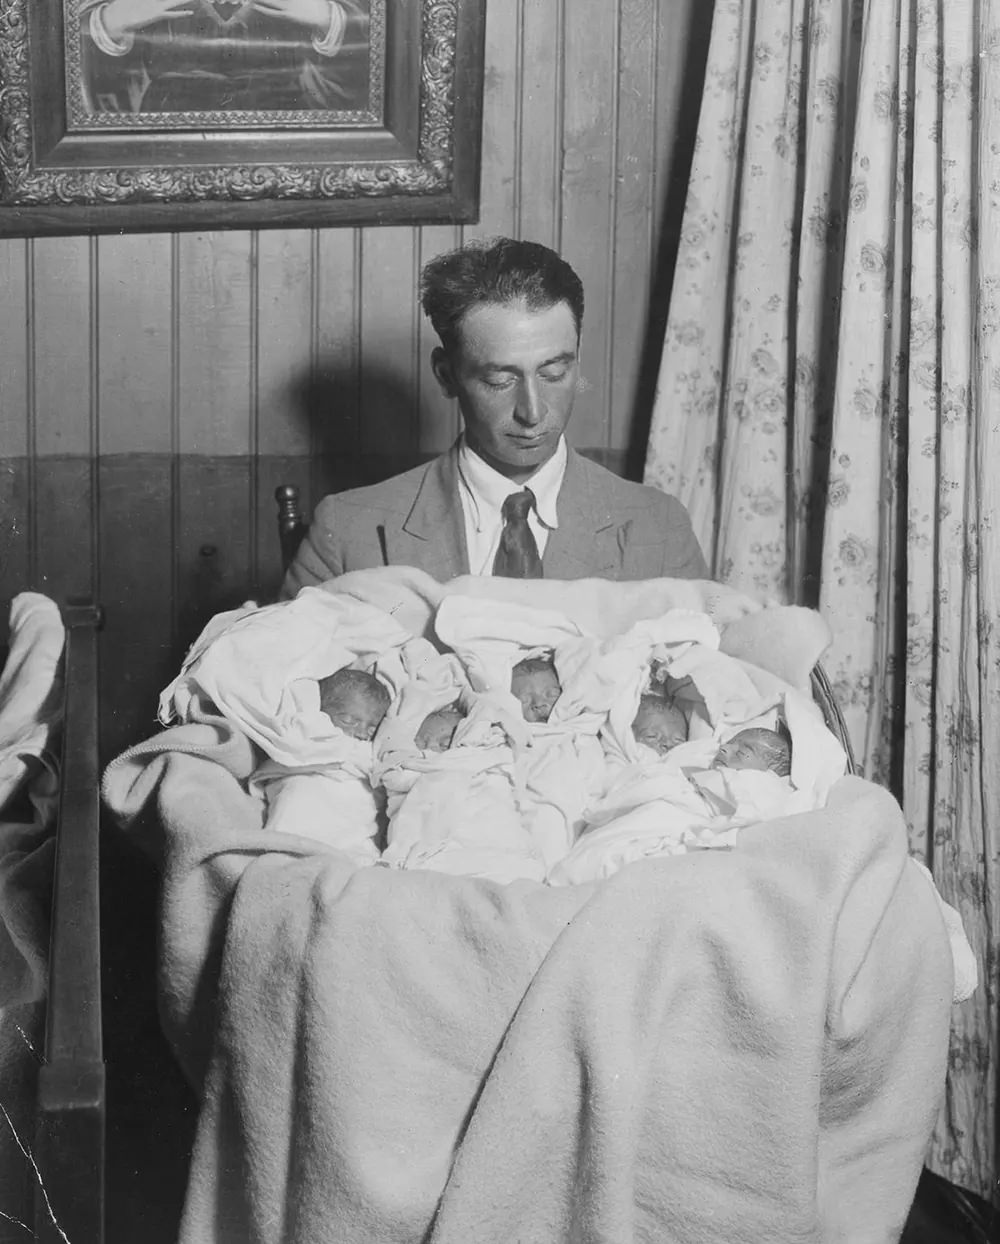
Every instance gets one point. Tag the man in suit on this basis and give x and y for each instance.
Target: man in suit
(508, 314)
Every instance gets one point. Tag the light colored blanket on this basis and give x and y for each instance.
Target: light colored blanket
(30, 712)
(723, 1048)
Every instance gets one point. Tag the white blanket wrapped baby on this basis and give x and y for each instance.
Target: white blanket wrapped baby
(447, 765)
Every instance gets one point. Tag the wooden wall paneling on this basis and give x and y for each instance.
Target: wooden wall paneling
(284, 356)
(439, 417)
(502, 122)
(138, 645)
(588, 192)
(15, 384)
(633, 256)
(136, 357)
(334, 397)
(14, 327)
(63, 365)
(65, 550)
(541, 101)
(285, 340)
(63, 417)
(389, 310)
(214, 334)
(214, 570)
(14, 534)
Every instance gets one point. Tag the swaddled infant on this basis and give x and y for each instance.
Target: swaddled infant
(437, 730)
(334, 803)
(355, 701)
(757, 748)
(535, 684)
(564, 766)
(659, 724)
(750, 777)
(453, 803)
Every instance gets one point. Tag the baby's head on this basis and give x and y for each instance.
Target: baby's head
(354, 701)
(757, 748)
(535, 683)
(438, 729)
(659, 724)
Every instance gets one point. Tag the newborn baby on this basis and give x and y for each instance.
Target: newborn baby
(757, 748)
(437, 730)
(335, 803)
(535, 683)
(454, 808)
(659, 724)
(355, 702)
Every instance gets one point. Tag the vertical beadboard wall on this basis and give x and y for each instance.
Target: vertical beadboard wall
(154, 389)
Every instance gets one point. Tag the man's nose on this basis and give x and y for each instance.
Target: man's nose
(530, 408)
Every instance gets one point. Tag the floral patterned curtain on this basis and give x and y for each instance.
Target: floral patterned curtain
(828, 407)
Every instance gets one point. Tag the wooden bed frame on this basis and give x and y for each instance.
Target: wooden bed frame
(292, 526)
(70, 1122)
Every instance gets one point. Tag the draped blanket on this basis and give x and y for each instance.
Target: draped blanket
(727, 1046)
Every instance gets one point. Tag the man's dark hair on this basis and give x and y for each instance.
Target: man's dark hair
(496, 271)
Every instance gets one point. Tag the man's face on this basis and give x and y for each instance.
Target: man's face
(514, 373)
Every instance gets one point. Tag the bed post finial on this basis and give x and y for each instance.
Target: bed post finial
(291, 525)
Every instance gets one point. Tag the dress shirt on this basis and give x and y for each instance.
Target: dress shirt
(483, 492)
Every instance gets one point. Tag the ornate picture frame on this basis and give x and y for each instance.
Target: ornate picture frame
(143, 115)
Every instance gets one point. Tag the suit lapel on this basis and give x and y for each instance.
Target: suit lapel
(432, 535)
(587, 542)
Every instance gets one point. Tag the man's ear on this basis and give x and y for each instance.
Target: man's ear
(443, 373)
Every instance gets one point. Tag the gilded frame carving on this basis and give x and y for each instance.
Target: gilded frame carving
(407, 151)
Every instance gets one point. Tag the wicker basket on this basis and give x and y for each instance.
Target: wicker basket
(823, 695)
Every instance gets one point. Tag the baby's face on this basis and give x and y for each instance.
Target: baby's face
(537, 690)
(755, 748)
(659, 726)
(437, 730)
(355, 714)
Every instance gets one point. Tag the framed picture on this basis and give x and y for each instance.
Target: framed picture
(124, 115)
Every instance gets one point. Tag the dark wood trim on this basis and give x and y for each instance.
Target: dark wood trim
(69, 1142)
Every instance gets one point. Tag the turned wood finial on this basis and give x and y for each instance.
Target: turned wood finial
(291, 525)
(289, 513)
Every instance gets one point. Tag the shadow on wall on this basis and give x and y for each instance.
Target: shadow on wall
(672, 221)
(363, 427)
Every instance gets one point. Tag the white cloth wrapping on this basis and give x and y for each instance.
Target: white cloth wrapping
(563, 769)
(334, 804)
(668, 805)
(30, 696)
(459, 812)
(260, 668)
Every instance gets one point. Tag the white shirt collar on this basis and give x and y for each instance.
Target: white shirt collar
(486, 489)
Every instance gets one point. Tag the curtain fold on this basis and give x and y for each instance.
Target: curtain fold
(827, 403)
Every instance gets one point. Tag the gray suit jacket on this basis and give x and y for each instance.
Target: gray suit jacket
(608, 528)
